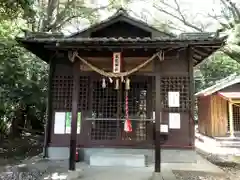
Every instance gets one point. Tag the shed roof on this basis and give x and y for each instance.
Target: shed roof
(219, 85)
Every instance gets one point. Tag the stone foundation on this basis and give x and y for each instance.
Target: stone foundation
(168, 155)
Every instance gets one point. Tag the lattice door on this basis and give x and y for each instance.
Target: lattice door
(236, 117)
(108, 111)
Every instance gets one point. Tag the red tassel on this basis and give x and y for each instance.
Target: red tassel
(127, 126)
(127, 123)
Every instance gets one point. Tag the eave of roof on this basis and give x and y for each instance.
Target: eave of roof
(191, 40)
(207, 45)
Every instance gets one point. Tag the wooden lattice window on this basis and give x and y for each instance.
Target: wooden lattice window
(236, 117)
(83, 100)
(179, 84)
(62, 87)
(62, 92)
(176, 84)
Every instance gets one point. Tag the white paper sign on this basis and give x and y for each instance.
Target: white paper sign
(68, 118)
(173, 99)
(153, 115)
(174, 121)
(164, 128)
(59, 123)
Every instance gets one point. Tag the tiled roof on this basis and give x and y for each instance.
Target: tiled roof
(120, 39)
(40, 42)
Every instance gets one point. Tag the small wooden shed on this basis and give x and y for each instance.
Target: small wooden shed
(219, 108)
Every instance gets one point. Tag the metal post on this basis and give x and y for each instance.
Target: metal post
(158, 115)
(75, 97)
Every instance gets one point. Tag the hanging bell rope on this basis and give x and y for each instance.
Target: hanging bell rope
(120, 75)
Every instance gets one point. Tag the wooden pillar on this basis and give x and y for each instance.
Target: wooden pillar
(230, 111)
(158, 115)
(191, 97)
(48, 126)
(75, 97)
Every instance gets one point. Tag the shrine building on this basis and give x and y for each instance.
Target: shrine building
(122, 81)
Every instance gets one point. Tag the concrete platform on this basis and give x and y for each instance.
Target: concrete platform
(168, 155)
(120, 160)
(59, 170)
(212, 147)
(202, 165)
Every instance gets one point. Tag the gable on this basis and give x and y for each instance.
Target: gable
(121, 29)
(121, 21)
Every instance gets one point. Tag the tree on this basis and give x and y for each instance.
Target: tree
(229, 19)
(11, 9)
(23, 83)
(217, 67)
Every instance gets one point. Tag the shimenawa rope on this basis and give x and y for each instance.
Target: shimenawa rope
(160, 55)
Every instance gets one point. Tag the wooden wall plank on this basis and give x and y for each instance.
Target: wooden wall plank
(204, 118)
(218, 116)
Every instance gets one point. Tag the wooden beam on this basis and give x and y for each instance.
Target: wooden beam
(230, 115)
(115, 47)
(195, 56)
(158, 115)
(199, 52)
(75, 97)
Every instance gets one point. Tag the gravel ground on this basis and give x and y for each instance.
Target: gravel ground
(232, 171)
(9, 155)
(38, 171)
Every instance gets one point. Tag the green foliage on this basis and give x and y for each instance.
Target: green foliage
(217, 67)
(11, 9)
(23, 80)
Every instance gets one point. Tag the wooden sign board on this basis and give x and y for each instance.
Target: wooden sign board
(117, 62)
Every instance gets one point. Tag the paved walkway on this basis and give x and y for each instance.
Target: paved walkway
(58, 170)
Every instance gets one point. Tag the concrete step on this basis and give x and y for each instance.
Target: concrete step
(124, 160)
(230, 144)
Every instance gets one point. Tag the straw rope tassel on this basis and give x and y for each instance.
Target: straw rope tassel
(117, 84)
(104, 83)
(127, 84)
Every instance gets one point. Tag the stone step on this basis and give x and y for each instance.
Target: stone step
(230, 144)
(124, 160)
